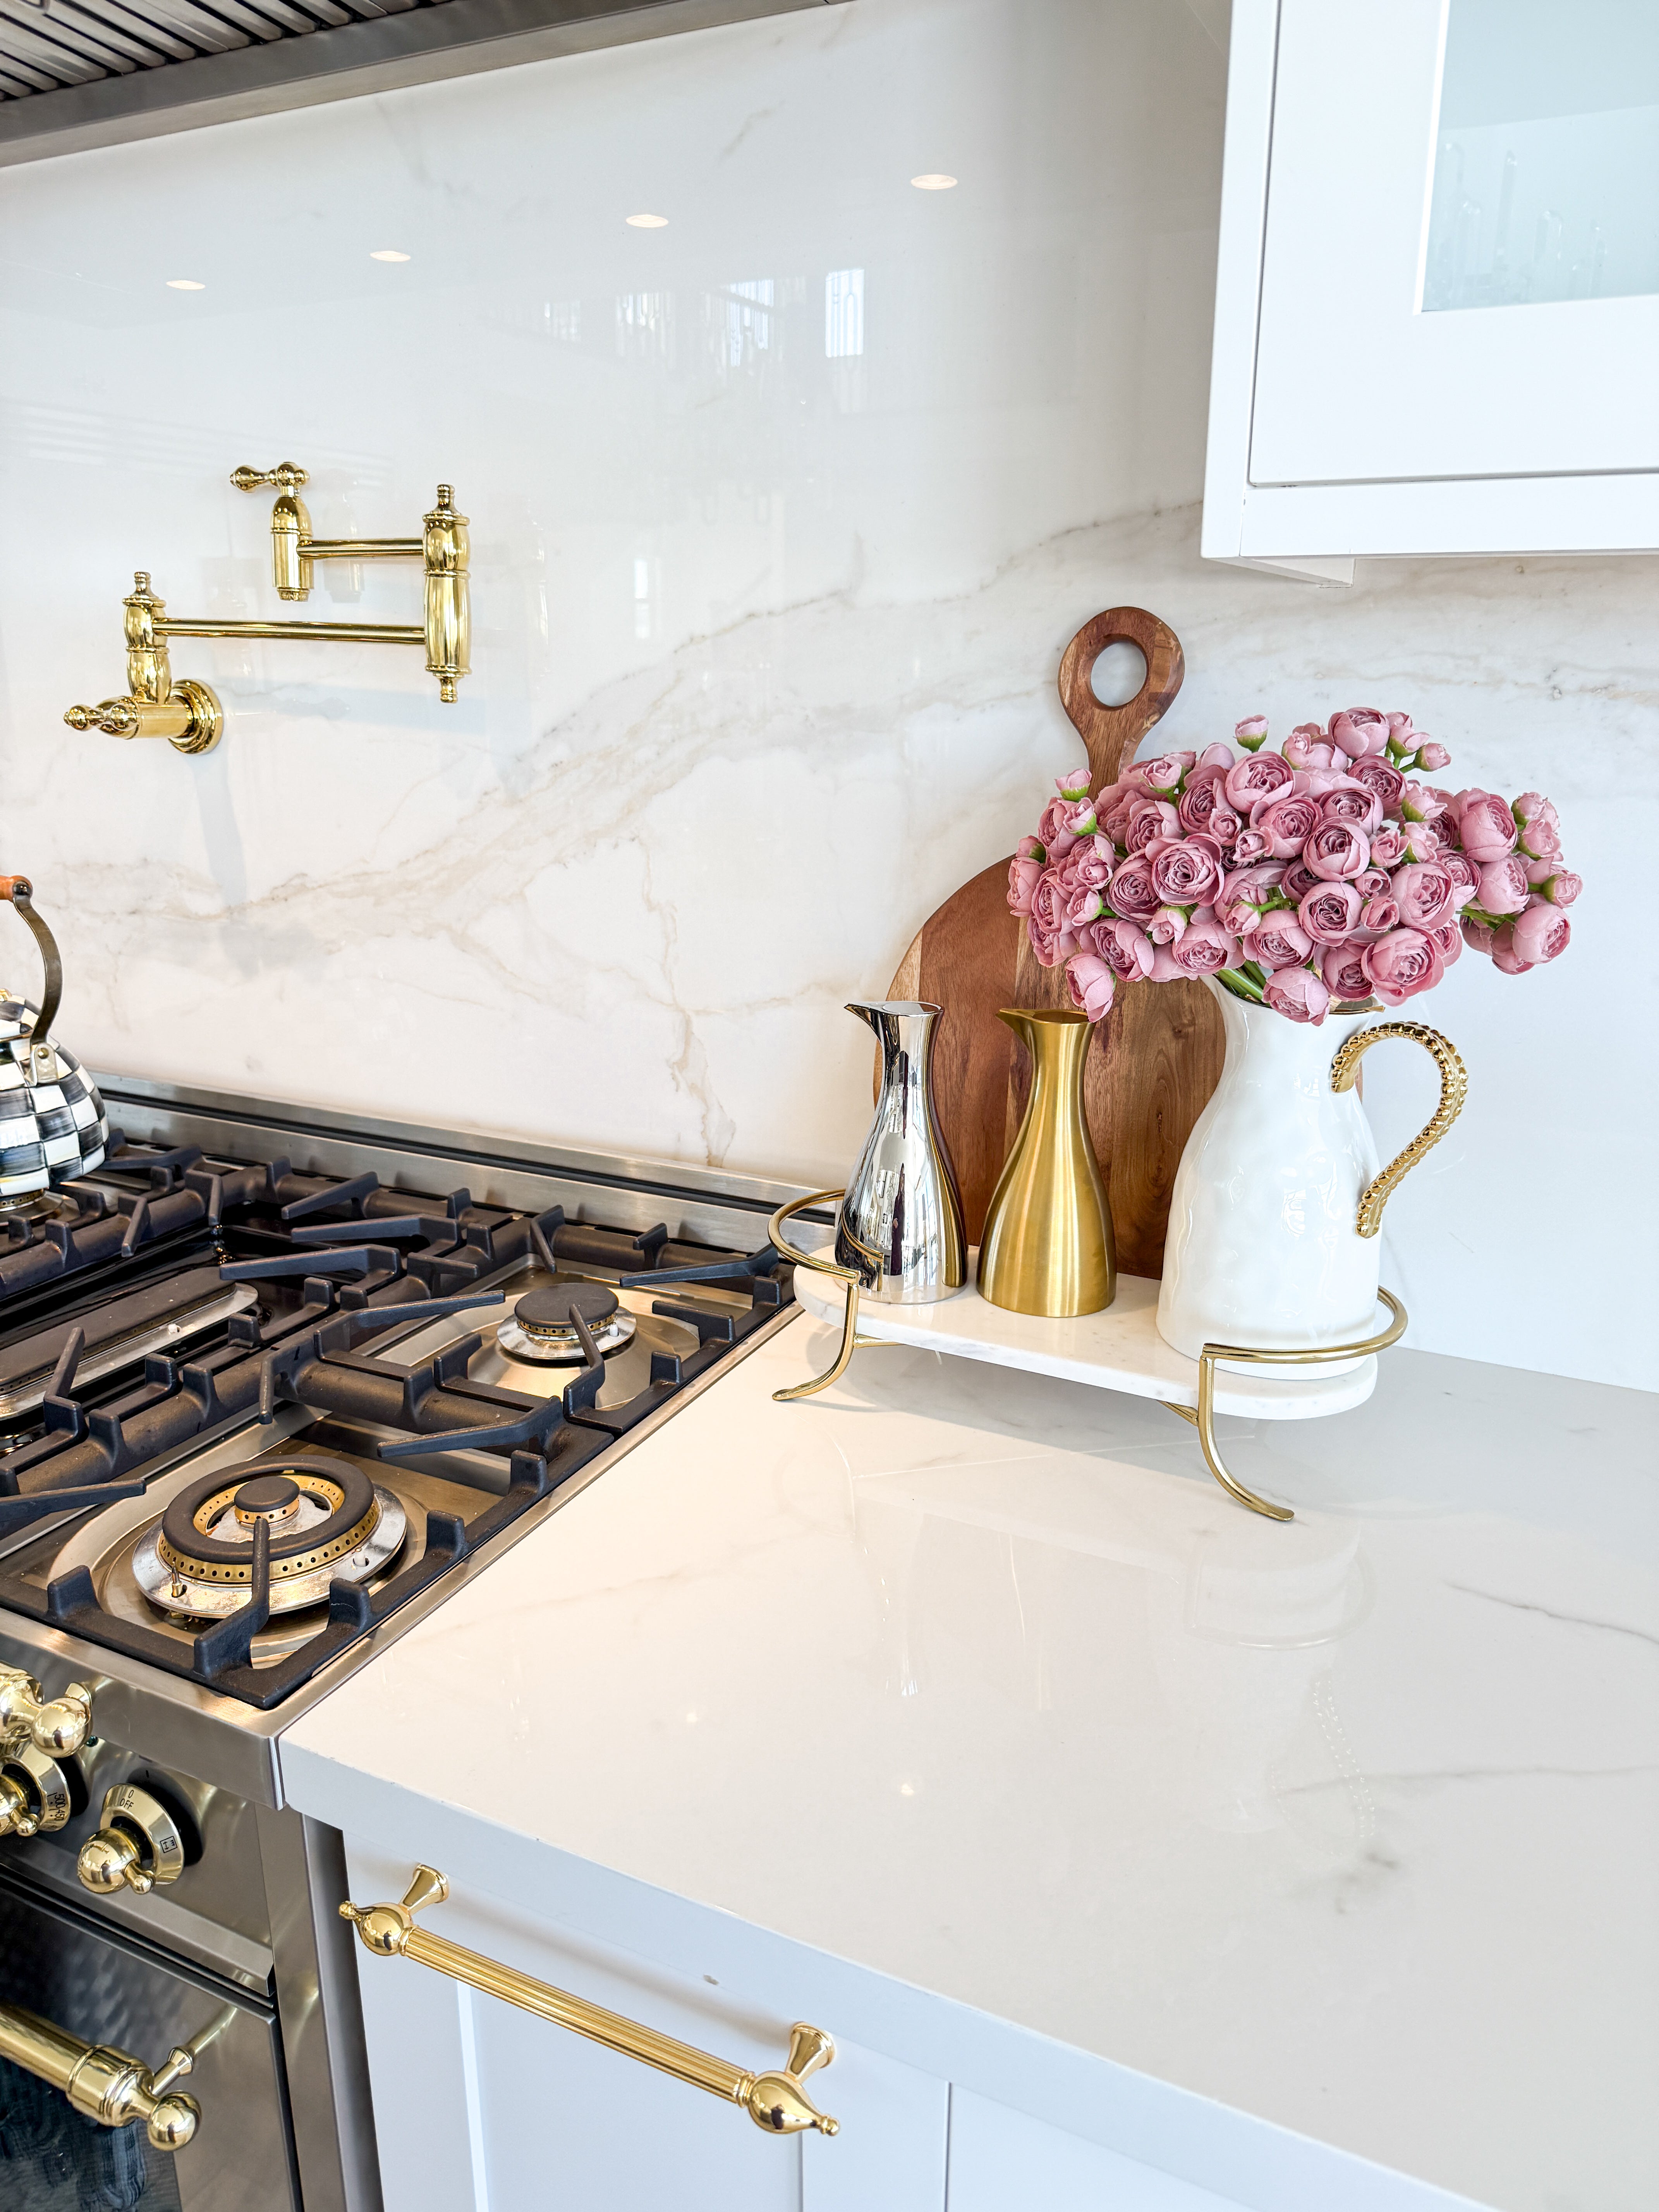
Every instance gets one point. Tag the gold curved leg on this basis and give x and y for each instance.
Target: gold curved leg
(1325, 1355)
(850, 1341)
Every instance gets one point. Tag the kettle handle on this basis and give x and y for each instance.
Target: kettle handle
(1454, 1089)
(20, 891)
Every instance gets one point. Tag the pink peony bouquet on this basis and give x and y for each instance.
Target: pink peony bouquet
(1325, 872)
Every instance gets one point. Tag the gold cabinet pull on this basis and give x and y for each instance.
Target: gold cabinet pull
(104, 2083)
(774, 2101)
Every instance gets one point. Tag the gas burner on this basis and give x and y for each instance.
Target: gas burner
(543, 1328)
(327, 1521)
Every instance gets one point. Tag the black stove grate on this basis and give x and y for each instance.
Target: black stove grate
(387, 1259)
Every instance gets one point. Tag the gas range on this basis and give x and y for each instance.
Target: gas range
(271, 1385)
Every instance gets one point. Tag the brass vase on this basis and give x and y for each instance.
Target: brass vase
(1048, 1242)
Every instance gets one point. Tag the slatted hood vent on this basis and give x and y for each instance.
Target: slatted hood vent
(75, 73)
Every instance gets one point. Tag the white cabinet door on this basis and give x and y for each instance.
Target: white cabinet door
(481, 2107)
(1005, 2161)
(1438, 309)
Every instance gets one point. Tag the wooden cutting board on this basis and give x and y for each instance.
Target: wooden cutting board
(1158, 1055)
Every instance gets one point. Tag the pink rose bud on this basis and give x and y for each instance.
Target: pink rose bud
(1022, 881)
(1150, 818)
(1299, 994)
(1540, 839)
(1277, 941)
(1205, 948)
(1308, 747)
(1029, 849)
(1402, 965)
(1503, 887)
(1541, 933)
(1164, 771)
(1133, 892)
(1344, 970)
(1262, 775)
(1423, 892)
(1250, 732)
(1529, 804)
(1248, 846)
(1562, 887)
(1216, 756)
(1085, 904)
(1337, 852)
(1504, 957)
(1168, 924)
(1478, 936)
(1379, 914)
(1432, 757)
(1074, 784)
(1329, 913)
(1419, 804)
(1089, 982)
(1125, 947)
(1485, 827)
(1381, 778)
(1286, 824)
(1359, 729)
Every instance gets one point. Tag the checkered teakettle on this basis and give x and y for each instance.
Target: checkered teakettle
(53, 1123)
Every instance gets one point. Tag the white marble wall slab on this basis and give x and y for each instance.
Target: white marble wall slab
(767, 632)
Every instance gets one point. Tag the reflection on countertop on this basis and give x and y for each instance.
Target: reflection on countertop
(976, 1679)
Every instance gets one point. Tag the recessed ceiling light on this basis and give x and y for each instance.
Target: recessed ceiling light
(934, 181)
(387, 253)
(647, 222)
(185, 284)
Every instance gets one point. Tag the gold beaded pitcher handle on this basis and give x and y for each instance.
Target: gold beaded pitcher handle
(1454, 1089)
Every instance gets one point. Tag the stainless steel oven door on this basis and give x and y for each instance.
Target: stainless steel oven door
(68, 1969)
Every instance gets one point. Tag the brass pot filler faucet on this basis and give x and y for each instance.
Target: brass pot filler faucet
(188, 715)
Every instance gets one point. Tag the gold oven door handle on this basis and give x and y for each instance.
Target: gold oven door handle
(105, 2084)
(774, 2101)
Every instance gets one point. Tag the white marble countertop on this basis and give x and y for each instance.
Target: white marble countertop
(976, 1679)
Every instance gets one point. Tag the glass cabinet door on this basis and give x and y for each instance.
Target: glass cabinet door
(1460, 265)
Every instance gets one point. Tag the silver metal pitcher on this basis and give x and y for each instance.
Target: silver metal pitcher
(900, 1222)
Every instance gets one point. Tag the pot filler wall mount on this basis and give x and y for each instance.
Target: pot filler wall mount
(187, 713)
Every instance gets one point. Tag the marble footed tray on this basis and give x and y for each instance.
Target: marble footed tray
(1117, 1350)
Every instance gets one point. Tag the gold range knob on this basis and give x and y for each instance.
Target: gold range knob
(140, 1845)
(35, 1793)
(58, 1726)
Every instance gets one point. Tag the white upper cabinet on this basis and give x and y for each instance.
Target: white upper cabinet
(1438, 297)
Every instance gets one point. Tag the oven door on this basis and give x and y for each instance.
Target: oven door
(71, 1970)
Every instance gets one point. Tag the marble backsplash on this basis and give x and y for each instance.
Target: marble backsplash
(772, 571)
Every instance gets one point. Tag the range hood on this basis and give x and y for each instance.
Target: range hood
(78, 72)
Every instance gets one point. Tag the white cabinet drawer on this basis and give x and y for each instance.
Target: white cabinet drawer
(480, 2106)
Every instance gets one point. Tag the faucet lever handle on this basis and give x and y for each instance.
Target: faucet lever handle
(116, 718)
(285, 477)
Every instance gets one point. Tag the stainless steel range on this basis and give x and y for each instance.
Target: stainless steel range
(270, 1386)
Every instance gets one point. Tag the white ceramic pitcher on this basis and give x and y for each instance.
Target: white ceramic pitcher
(1274, 1221)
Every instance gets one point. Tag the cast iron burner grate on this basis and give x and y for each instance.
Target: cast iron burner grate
(398, 1258)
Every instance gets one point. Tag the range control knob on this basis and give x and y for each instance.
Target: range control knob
(58, 1726)
(143, 1844)
(37, 1793)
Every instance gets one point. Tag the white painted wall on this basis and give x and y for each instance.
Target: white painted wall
(767, 635)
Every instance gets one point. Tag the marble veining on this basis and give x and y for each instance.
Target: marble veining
(1284, 1815)
(769, 605)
